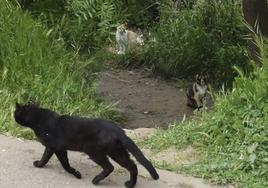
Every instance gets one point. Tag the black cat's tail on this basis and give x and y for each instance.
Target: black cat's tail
(137, 153)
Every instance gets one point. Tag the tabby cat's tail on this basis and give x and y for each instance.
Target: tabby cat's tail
(136, 152)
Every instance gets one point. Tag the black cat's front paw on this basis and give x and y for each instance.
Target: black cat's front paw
(96, 180)
(129, 184)
(77, 174)
(38, 164)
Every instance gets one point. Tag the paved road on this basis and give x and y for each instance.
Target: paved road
(17, 171)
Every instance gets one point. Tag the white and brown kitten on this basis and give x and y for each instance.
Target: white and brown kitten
(127, 38)
(196, 93)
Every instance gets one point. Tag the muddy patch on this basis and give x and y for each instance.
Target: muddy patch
(146, 101)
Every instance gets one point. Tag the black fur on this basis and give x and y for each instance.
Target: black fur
(98, 138)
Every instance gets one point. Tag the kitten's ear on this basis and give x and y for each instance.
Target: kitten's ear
(196, 76)
(206, 77)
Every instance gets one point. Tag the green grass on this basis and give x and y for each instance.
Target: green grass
(34, 66)
(207, 38)
(232, 139)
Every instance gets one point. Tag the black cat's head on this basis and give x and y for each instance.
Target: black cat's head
(25, 115)
(201, 80)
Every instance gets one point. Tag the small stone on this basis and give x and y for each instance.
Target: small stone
(131, 72)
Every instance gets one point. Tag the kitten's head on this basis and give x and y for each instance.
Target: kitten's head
(140, 38)
(25, 115)
(121, 28)
(201, 80)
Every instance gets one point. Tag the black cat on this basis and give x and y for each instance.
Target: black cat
(98, 138)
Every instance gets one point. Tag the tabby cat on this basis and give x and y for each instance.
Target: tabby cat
(127, 38)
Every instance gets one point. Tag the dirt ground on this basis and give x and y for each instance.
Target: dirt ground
(145, 100)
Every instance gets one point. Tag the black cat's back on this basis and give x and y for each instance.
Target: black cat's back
(93, 125)
(89, 126)
(89, 134)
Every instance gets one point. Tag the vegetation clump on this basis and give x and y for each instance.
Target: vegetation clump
(35, 67)
(183, 38)
(45, 47)
(233, 137)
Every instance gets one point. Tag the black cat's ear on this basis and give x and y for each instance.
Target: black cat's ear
(36, 103)
(18, 105)
(33, 102)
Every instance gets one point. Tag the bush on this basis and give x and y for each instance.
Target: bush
(232, 138)
(207, 38)
(35, 67)
(197, 36)
(87, 25)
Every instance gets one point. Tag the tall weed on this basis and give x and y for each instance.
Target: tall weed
(87, 25)
(35, 67)
(233, 138)
(209, 38)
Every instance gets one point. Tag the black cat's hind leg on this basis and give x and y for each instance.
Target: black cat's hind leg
(62, 156)
(107, 167)
(45, 158)
(121, 156)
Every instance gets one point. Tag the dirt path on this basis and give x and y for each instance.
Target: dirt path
(146, 101)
